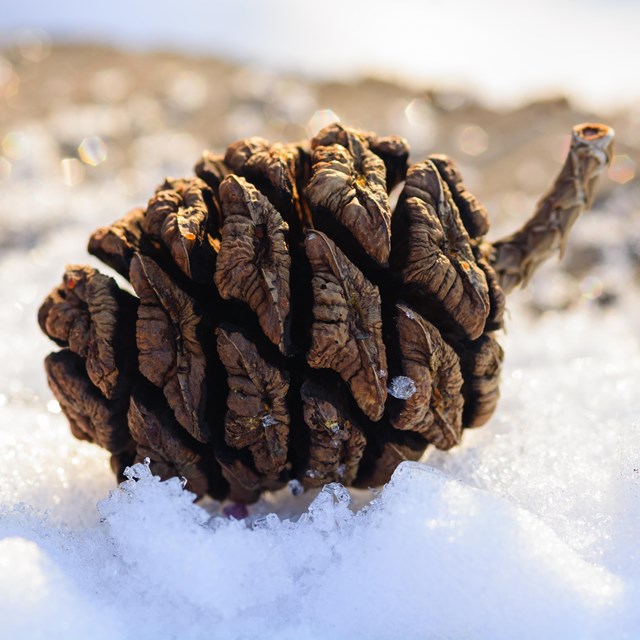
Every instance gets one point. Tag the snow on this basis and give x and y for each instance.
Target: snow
(295, 486)
(401, 387)
(529, 529)
(268, 420)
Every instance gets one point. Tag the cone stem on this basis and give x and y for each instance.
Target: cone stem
(516, 257)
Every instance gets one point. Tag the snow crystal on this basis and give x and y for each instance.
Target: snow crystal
(268, 420)
(401, 387)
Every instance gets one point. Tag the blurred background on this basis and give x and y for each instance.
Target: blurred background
(100, 101)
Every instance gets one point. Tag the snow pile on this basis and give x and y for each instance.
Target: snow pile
(430, 555)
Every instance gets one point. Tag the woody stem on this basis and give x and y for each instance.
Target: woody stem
(516, 257)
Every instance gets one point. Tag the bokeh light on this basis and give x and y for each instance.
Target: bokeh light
(591, 288)
(421, 128)
(110, 85)
(72, 171)
(187, 90)
(622, 169)
(15, 145)
(34, 45)
(92, 151)
(473, 140)
(321, 119)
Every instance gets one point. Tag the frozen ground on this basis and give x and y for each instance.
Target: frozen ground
(528, 530)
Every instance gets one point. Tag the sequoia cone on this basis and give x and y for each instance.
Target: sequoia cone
(287, 324)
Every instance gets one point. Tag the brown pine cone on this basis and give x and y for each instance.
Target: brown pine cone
(287, 324)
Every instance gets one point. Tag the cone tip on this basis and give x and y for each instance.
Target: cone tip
(593, 134)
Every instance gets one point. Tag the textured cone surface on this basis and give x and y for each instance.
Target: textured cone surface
(287, 324)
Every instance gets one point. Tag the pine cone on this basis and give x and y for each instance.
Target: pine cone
(287, 324)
